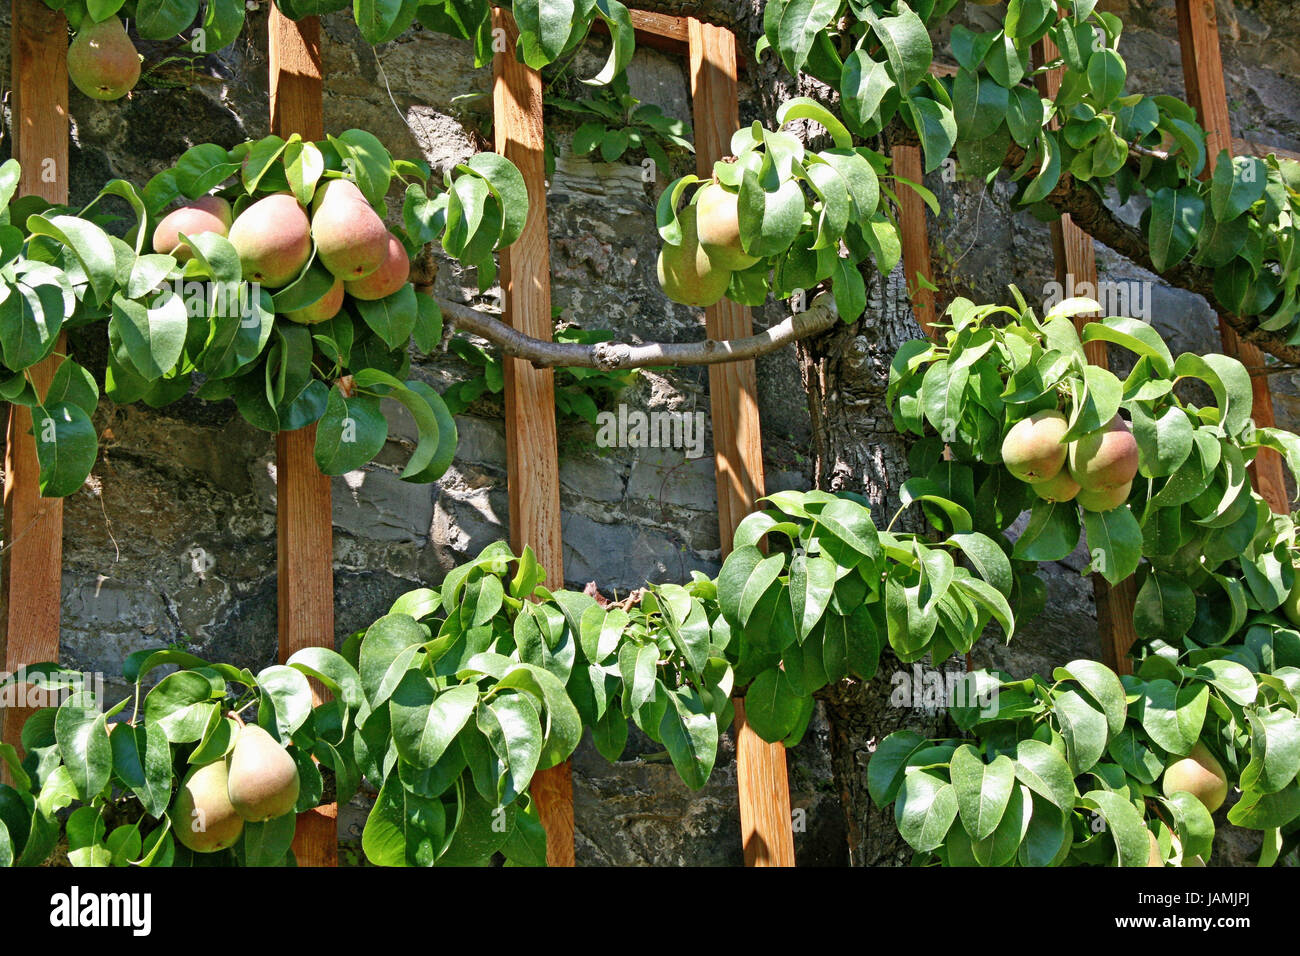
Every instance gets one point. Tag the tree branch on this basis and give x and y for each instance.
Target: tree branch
(821, 315)
(1090, 213)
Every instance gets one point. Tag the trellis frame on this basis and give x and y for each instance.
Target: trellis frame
(32, 567)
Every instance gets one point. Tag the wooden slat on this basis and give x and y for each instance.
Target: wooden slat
(30, 590)
(915, 236)
(532, 455)
(662, 25)
(1198, 34)
(304, 518)
(765, 821)
(1076, 264)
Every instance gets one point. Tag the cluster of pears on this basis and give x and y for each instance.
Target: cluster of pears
(1096, 470)
(698, 271)
(275, 237)
(257, 782)
(102, 61)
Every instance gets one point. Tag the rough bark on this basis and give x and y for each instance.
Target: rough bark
(857, 449)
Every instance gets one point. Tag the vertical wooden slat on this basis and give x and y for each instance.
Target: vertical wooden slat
(532, 454)
(1198, 35)
(1076, 264)
(30, 590)
(916, 239)
(304, 518)
(765, 821)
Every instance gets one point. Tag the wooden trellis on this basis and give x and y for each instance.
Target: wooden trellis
(32, 563)
(33, 532)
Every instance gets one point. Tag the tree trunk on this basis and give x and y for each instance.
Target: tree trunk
(857, 449)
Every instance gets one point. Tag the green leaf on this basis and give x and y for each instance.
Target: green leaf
(1041, 768)
(925, 810)
(513, 728)
(1124, 824)
(906, 42)
(66, 447)
(426, 721)
(801, 21)
(265, 844)
(1114, 542)
(142, 760)
(162, 19)
(1106, 76)
(88, 243)
(983, 790)
(1173, 716)
(286, 700)
(388, 651)
(1084, 728)
(1165, 607)
(1102, 684)
(886, 766)
(1237, 184)
(1176, 217)
(1164, 443)
(350, 433)
(1052, 532)
(771, 705)
(152, 337)
(82, 736)
(689, 731)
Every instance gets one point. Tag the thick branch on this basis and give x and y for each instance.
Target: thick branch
(820, 316)
(1091, 214)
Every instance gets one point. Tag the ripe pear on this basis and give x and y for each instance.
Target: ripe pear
(1033, 450)
(686, 273)
(1103, 499)
(324, 308)
(202, 816)
(205, 214)
(1107, 458)
(1060, 487)
(387, 279)
(102, 62)
(262, 777)
(1201, 775)
(351, 240)
(273, 239)
(718, 226)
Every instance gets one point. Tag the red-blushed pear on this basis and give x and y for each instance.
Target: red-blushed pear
(1103, 499)
(718, 226)
(351, 240)
(686, 273)
(102, 62)
(205, 214)
(1106, 458)
(262, 779)
(387, 279)
(273, 240)
(1032, 449)
(1060, 487)
(1201, 775)
(203, 818)
(323, 309)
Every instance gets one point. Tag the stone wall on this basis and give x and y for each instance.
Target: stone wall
(174, 538)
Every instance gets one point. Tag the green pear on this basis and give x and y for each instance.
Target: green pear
(102, 62)
(686, 272)
(718, 225)
(262, 777)
(205, 214)
(387, 279)
(351, 240)
(273, 240)
(1060, 487)
(1201, 775)
(202, 816)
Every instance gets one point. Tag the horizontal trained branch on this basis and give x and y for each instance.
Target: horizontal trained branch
(819, 317)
